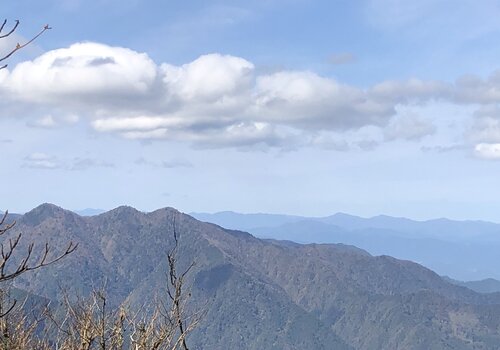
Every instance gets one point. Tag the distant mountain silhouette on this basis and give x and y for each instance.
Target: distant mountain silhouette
(263, 294)
(465, 250)
(488, 285)
(90, 212)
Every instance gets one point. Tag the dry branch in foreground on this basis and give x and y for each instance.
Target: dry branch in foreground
(18, 46)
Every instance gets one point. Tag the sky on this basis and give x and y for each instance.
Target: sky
(281, 106)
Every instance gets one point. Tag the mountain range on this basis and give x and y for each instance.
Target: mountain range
(488, 285)
(463, 250)
(261, 293)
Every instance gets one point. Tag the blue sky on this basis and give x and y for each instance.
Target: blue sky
(301, 107)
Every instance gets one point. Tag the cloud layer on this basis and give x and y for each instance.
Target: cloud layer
(45, 161)
(221, 101)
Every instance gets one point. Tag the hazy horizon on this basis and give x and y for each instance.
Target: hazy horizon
(187, 211)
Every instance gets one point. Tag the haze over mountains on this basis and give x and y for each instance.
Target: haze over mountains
(488, 285)
(89, 212)
(463, 250)
(262, 294)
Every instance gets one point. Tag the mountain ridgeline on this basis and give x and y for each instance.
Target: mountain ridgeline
(463, 250)
(261, 294)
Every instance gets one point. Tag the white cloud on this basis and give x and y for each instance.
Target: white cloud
(82, 73)
(490, 151)
(215, 99)
(308, 101)
(142, 123)
(222, 101)
(208, 78)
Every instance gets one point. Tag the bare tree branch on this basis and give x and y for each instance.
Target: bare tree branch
(177, 282)
(18, 45)
(7, 226)
(25, 264)
(89, 323)
(9, 251)
(11, 31)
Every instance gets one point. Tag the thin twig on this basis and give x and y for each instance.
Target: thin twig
(18, 45)
(11, 31)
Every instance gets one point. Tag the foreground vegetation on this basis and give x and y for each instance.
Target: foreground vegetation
(85, 323)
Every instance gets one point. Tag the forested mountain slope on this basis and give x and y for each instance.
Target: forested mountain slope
(262, 294)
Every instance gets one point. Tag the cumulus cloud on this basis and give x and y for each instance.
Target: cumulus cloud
(490, 151)
(223, 101)
(214, 101)
(209, 78)
(310, 102)
(81, 74)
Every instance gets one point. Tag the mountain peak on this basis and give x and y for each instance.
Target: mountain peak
(43, 212)
(49, 206)
(49, 209)
(344, 215)
(166, 213)
(125, 207)
(124, 210)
